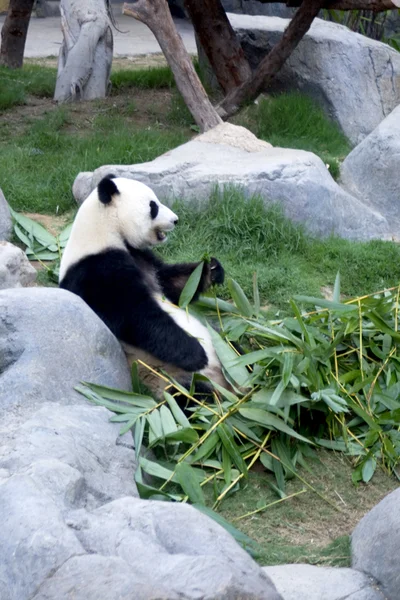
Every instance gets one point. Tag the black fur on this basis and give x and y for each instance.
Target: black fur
(153, 209)
(107, 189)
(118, 286)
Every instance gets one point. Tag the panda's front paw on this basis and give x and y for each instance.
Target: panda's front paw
(216, 272)
(195, 358)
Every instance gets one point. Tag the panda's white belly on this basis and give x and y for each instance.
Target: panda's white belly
(195, 328)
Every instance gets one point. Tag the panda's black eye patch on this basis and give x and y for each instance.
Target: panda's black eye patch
(153, 209)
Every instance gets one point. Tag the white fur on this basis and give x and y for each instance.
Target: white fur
(98, 227)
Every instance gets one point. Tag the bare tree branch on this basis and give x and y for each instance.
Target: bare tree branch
(156, 15)
(270, 65)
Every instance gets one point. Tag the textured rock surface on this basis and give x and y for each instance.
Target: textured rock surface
(356, 79)
(372, 170)
(5, 219)
(375, 544)
(72, 527)
(296, 179)
(306, 582)
(50, 340)
(139, 549)
(15, 268)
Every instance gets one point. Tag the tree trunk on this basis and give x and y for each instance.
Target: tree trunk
(219, 42)
(84, 63)
(270, 65)
(13, 34)
(156, 15)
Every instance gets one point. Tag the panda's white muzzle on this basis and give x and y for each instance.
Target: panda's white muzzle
(164, 222)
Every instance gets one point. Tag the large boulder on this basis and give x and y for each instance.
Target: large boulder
(50, 340)
(371, 171)
(5, 219)
(15, 268)
(307, 582)
(375, 544)
(229, 155)
(142, 550)
(356, 79)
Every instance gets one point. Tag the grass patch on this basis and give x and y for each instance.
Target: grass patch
(292, 120)
(39, 167)
(247, 236)
(144, 79)
(16, 84)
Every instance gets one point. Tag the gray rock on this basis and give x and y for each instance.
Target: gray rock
(375, 544)
(306, 582)
(356, 79)
(5, 219)
(372, 170)
(63, 538)
(296, 179)
(253, 7)
(50, 340)
(195, 557)
(15, 268)
(71, 453)
(34, 539)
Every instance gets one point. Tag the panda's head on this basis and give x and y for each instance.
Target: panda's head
(133, 212)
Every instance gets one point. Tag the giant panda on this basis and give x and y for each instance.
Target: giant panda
(108, 261)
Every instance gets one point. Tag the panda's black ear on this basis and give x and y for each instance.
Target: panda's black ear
(107, 189)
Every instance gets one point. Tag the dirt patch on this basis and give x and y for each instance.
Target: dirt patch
(137, 107)
(129, 62)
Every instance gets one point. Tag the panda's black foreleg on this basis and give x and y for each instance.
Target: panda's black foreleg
(150, 328)
(173, 278)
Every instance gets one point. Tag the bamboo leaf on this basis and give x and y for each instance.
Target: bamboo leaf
(64, 235)
(322, 303)
(189, 483)
(191, 286)
(368, 469)
(336, 289)
(178, 413)
(138, 435)
(383, 326)
(128, 397)
(167, 421)
(206, 448)
(228, 358)
(154, 421)
(35, 229)
(157, 470)
(186, 435)
(262, 417)
(240, 298)
(227, 439)
(256, 295)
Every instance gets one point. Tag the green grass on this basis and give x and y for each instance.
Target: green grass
(246, 236)
(15, 85)
(293, 120)
(144, 79)
(39, 166)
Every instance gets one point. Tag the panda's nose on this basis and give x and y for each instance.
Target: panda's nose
(176, 220)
